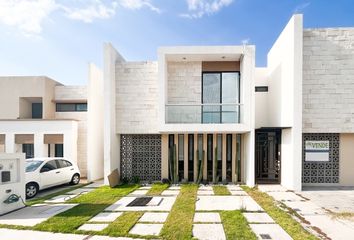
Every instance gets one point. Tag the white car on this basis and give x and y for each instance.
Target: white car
(44, 173)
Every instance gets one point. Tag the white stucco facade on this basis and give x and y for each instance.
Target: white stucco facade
(140, 112)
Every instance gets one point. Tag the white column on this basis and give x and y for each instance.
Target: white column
(248, 147)
(39, 145)
(70, 145)
(10, 143)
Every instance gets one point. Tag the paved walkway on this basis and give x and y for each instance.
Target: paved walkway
(206, 223)
(208, 226)
(313, 212)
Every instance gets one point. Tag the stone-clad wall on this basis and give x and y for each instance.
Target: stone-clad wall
(136, 97)
(328, 80)
(70, 92)
(184, 82)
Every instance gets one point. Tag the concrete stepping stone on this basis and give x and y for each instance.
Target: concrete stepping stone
(271, 188)
(258, 218)
(205, 188)
(285, 196)
(145, 229)
(60, 198)
(145, 188)
(106, 217)
(227, 203)
(15, 234)
(174, 188)
(206, 217)
(95, 185)
(93, 227)
(238, 193)
(80, 191)
(96, 237)
(270, 231)
(205, 192)
(170, 192)
(154, 217)
(138, 193)
(234, 188)
(209, 232)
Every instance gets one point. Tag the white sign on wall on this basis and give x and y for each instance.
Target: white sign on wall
(317, 151)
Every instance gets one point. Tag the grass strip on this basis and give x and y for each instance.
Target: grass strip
(281, 217)
(157, 188)
(122, 225)
(180, 220)
(221, 190)
(236, 226)
(90, 205)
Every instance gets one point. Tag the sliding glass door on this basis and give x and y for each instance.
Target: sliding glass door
(221, 97)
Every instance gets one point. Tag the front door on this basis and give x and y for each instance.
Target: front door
(268, 156)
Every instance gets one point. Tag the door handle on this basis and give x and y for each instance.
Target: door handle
(71, 169)
(57, 172)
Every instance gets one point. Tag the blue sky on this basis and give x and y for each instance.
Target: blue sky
(58, 38)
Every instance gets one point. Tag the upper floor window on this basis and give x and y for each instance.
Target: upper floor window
(221, 97)
(37, 109)
(71, 107)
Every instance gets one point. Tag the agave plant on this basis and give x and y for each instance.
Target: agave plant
(200, 166)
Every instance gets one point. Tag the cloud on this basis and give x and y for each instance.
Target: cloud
(89, 12)
(137, 4)
(301, 7)
(29, 15)
(199, 8)
(26, 15)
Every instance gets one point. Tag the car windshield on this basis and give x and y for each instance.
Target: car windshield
(32, 165)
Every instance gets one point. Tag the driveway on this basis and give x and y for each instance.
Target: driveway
(335, 199)
(312, 204)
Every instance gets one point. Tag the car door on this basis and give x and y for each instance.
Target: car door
(67, 169)
(50, 174)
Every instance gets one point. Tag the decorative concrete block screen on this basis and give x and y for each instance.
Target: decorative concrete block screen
(141, 157)
(321, 172)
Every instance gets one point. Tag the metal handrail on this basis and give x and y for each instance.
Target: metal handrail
(203, 104)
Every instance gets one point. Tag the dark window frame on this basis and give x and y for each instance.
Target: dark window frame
(261, 88)
(75, 107)
(220, 100)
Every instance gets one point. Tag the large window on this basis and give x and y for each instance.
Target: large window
(221, 96)
(71, 107)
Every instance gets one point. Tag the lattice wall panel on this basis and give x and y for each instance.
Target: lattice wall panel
(141, 156)
(322, 172)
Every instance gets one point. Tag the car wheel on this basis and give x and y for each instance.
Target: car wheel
(31, 190)
(75, 179)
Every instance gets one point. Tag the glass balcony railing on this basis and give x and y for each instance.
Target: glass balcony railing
(206, 113)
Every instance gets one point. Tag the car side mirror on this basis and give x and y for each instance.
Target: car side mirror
(45, 170)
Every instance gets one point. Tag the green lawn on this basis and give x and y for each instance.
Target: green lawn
(90, 204)
(221, 190)
(236, 226)
(180, 220)
(283, 218)
(157, 188)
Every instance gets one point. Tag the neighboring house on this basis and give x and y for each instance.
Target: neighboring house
(291, 122)
(43, 118)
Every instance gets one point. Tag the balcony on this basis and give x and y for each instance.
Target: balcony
(207, 113)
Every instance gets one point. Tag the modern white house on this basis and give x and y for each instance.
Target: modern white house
(43, 118)
(289, 123)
